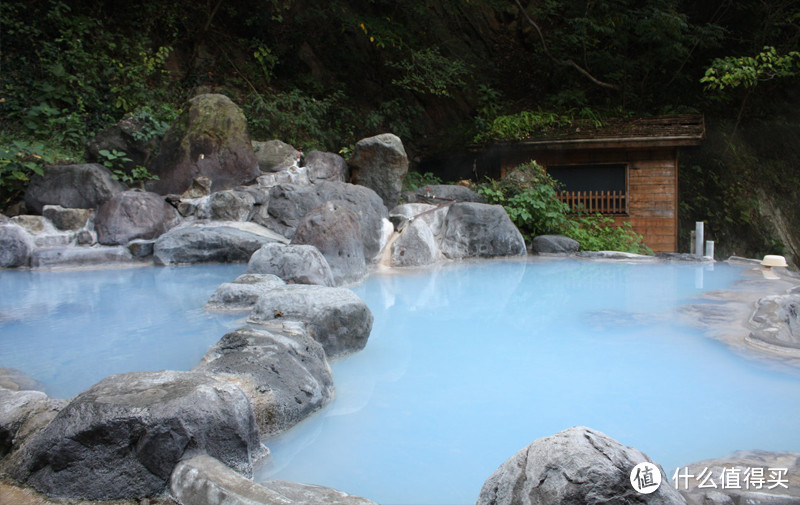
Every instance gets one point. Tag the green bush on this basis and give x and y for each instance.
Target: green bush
(19, 161)
(415, 180)
(599, 233)
(528, 194)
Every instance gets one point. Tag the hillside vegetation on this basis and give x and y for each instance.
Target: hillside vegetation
(438, 73)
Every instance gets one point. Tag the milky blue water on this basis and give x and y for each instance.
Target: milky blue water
(70, 329)
(466, 365)
(469, 364)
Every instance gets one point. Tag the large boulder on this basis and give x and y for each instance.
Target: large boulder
(322, 166)
(243, 293)
(777, 322)
(433, 215)
(416, 246)
(334, 229)
(555, 244)
(209, 138)
(380, 163)
(577, 465)
(480, 230)
(122, 437)
(289, 204)
(202, 480)
(73, 186)
(228, 205)
(295, 264)
(274, 155)
(336, 317)
(16, 246)
(219, 242)
(286, 377)
(134, 215)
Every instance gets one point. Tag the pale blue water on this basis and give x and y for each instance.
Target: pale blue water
(467, 365)
(70, 329)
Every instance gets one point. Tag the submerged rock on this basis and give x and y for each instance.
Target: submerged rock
(474, 230)
(202, 480)
(285, 377)
(243, 293)
(380, 163)
(122, 437)
(72, 186)
(295, 264)
(577, 465)
(336, 317)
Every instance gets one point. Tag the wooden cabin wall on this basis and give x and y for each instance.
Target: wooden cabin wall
(652, 186)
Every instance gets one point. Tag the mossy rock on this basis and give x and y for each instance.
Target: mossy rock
(209, 139)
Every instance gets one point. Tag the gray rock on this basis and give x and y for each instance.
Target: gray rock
(433, 215)
(228, 205)
(122, 437)
(71, 257)
(243, 293)
(67, 219)
(134, 215)
(295, 264)
(290, 175)
(416, 246)
(140, 248)
(480, 230)
(324, 166)
(259, 193)
(787, 493)
(72, 186)
(614, 255)
(684, 257)
(555, 244)
(4, 219)
(289, 204)
(440, 192)
(22, 415)
(201, 186)
(334, 229)
(285, 377)
(777, 318)
(86, 237)
(274, 155)
(380, 163)
(33, 224)
(202, 480)
(577, 465)
(218, 242)
(16, 246)
(336, 317)
(208, 139)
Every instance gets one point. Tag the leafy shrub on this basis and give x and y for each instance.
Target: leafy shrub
(599, 233)
(19, 161)
(528, 194)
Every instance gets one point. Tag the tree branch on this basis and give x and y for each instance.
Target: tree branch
(566, 63)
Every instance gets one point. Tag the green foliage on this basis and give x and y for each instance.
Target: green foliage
(19, 161)
(745, 72)
(416, 180)
(599, 233)
(527, 123)
(116, 160)
(529, 197)
(428, 72)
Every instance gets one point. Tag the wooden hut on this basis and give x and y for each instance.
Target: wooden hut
(626, 169)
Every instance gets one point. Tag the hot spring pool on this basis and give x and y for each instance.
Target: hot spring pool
(466, 365)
